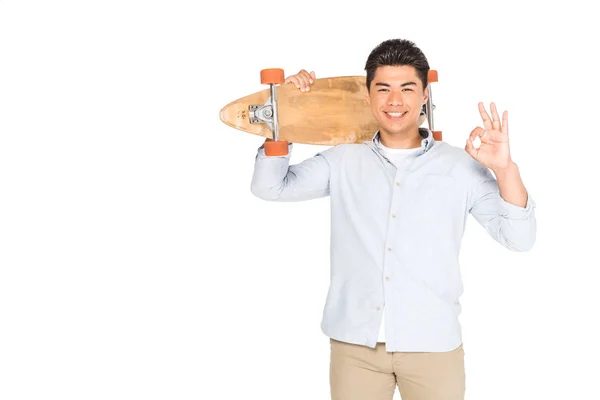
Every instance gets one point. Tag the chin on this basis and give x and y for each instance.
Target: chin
(395, 130)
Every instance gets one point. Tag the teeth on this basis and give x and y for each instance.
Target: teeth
(395, 114)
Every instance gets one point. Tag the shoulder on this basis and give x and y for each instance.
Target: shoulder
(337, 152)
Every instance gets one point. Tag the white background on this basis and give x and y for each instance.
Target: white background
(136, 264)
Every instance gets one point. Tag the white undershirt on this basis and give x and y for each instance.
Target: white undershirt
(398, 158)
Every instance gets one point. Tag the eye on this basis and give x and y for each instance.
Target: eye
(408, 89)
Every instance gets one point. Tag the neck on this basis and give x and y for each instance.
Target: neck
(401, 140)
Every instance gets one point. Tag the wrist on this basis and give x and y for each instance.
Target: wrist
(511, 167)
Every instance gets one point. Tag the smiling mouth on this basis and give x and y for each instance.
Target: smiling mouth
(396, 114)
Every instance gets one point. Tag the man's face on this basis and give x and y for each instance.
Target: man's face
(396, 97)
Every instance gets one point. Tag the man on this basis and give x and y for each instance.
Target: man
(399, 205)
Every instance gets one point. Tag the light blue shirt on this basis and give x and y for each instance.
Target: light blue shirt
(396, 235)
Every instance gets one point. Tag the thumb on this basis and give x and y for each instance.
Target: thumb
(473, 152)
(312, 75)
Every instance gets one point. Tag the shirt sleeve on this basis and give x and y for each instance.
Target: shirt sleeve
(512, 226)
(274, 179)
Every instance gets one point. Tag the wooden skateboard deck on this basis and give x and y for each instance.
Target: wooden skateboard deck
(333, 111)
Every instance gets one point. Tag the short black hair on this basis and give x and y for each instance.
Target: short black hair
(397, 52)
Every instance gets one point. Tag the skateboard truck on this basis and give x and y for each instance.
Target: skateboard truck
(432, 76)
(261, 114)
(267, 113)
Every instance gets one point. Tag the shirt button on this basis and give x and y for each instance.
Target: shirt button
(393, 215)
(387, 278)
(389, 249)
(378, 309)
(397, 183)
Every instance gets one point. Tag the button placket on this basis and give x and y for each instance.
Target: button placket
(392, 233)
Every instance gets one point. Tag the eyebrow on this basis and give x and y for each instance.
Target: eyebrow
(388, 85)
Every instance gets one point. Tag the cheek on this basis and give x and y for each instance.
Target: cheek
(376, 102)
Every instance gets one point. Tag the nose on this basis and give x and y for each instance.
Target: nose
(395, 98)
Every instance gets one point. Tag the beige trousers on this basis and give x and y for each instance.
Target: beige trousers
(363, 373)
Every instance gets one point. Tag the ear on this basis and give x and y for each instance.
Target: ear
(426, 95)
(367, 96)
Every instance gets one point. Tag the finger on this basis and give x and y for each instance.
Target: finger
(300, 83)
(293, 79)
(505, 122)
(302, 80)
(486, 136)
(471, 150)
(478, 132)
(298, 79)
(306, 80)
(487, 122)
(305, 75)
(495, 117)
(309, 77)
(490, 137)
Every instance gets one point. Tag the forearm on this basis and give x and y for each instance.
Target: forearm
(504, 207)
(511, 185)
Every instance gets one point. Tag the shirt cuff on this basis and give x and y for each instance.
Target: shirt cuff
(513, 211)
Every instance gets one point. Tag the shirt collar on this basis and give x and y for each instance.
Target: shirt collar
(426, 142)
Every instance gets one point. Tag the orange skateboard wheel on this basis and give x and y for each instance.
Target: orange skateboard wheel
(276, 148)
(272, 76)
(432, 75)
(437, 135)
